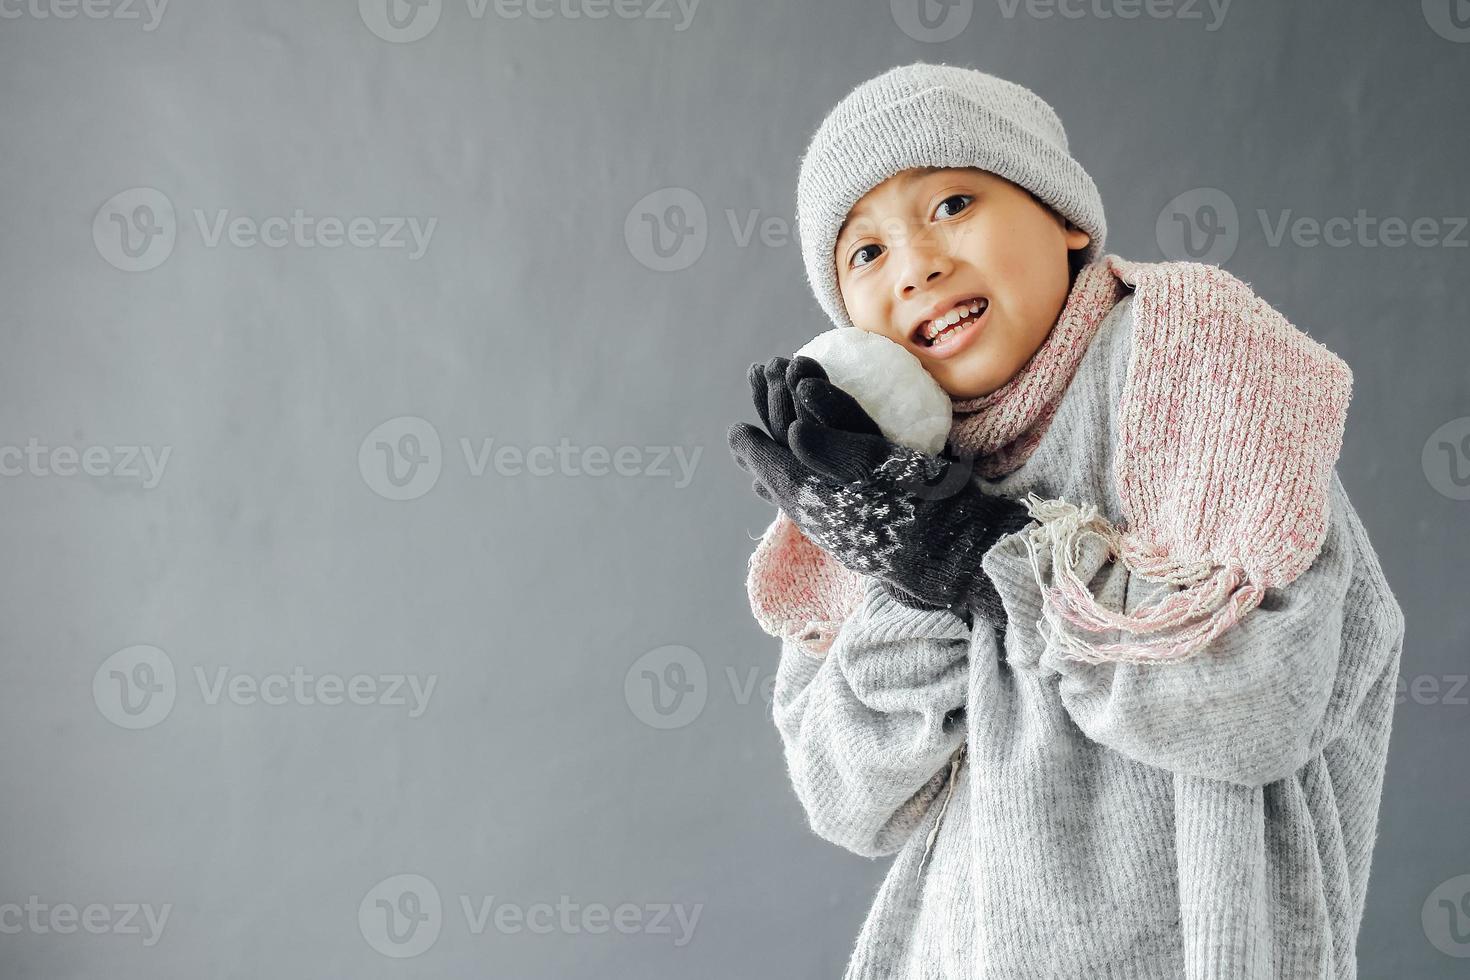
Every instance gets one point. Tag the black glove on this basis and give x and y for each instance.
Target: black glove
(772, 386)
(913, 520)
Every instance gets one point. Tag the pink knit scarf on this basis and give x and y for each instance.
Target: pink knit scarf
(1229, 426)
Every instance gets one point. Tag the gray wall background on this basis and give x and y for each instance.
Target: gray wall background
(284, 379)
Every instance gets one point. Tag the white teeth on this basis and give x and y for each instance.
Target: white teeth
(942, 327)
(941, 323)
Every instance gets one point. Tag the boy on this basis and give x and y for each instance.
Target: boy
(1163, 754)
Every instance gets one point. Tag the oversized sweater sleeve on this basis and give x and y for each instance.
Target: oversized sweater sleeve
(869, 727)
(1256, 703)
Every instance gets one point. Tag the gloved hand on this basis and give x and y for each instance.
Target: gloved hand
(913, 520)
(772, 386)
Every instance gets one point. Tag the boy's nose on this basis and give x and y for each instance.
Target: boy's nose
(925, 258)
(923, 269)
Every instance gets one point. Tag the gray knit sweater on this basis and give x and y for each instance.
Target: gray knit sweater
(1208, 818)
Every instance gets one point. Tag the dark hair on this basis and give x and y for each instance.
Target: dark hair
(1075, 260)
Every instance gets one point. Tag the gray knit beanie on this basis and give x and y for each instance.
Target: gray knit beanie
(933, 115)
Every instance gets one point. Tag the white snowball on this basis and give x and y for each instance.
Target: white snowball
(888, 382)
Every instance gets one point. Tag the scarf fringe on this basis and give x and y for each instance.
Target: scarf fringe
(1211, 598)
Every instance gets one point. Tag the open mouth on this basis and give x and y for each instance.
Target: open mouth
(941, 330)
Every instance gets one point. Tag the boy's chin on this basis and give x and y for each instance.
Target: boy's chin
(961, 380)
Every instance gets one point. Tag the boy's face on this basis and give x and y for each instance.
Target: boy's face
(928, 240)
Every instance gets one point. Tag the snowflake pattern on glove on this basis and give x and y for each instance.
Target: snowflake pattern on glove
(865, 527)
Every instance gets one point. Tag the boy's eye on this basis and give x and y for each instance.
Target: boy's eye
(964, 198)
(857, 255)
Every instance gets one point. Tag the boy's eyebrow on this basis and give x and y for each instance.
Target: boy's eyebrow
(908, 176)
